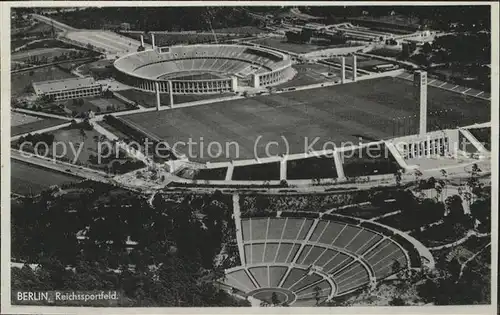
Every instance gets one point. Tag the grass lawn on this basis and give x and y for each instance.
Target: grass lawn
(28, 179)
(17, 119)
(51, 43)
(333, 114)
(96, 66)
(281, 43)
(438, 235)
(84, 147)
(148, 99)
(35, 125)
(38, 28)
(364, 63)
(483, 135)
(211, 174)
(21, 81)
(247, 30)
(404, 222)
(264, 171)
(367, 211)
(68, 66)
(40, 53)
(386, 52)
(176, 39)
(308, 74)
(18, 43)
(369, 63)
(96, 104)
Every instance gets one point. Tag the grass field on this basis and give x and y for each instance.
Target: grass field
(99, 64)
(34, 125)
(15, 43)
(148, 99)
(40, 53)
(29, 179)
(247, 30)
(95, 104)
(23, 80)
(281, 43)
(39, 27)
(333, 114)
(17, 119)
(386, 52)
(307, 74)
(364, 63)
(369, 63)
(80, 146)
(367, 211)
(177, 39)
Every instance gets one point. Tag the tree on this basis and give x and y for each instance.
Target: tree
(317, 294)
(397, 301)
(454, 206)
(481, 211)
(274, 299)
(262, 203)
(396, 267)
(427, 48)
(83, 135)
(397, 177)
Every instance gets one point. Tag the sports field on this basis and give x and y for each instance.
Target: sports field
(281, 43)
(334, 114)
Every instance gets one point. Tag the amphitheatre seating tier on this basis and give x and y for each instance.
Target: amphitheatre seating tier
(340, 253)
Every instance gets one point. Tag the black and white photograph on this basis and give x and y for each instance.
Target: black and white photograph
(160, 157)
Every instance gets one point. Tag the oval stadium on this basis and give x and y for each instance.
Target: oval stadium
(203, 69)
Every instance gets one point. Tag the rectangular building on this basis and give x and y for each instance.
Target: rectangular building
(66, 89)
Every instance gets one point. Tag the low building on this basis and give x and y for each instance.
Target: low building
(66, 89)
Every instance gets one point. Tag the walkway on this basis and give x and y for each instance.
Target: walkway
(462, 267)
(239, 230)
(469, 234)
